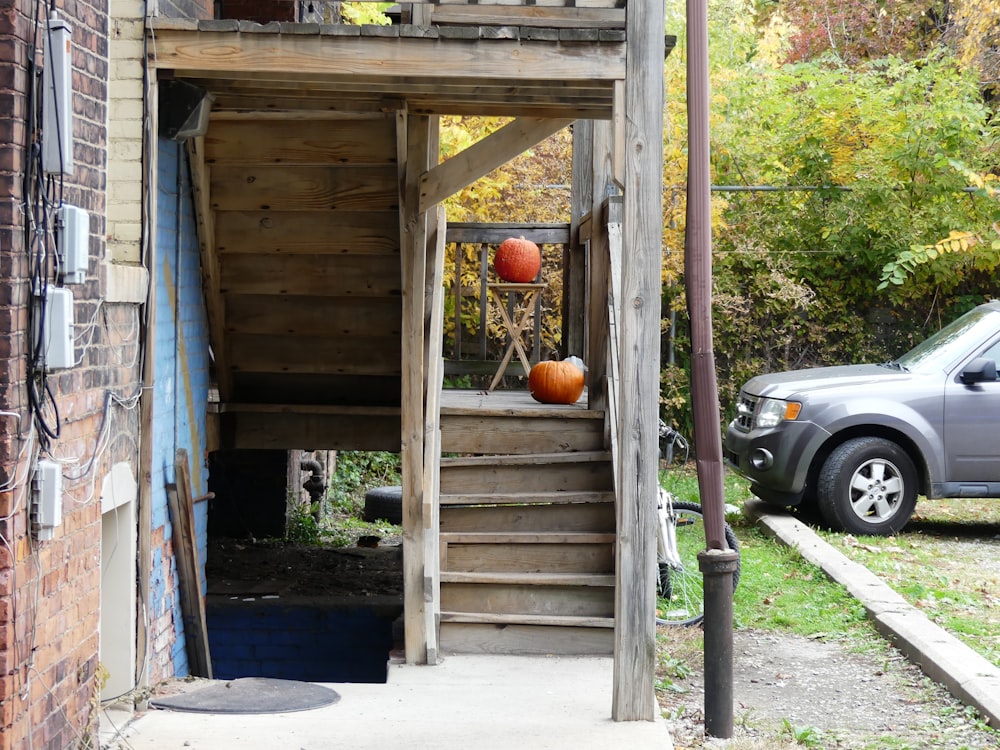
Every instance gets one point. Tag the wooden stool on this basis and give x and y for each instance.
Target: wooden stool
(515, 324)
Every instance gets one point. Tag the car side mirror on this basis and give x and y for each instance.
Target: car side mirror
(979, 370)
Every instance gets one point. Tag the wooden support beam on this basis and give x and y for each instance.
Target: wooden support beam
(190, 52)
(415, 144)
(642, 226)
(211, 274)
(597, 309)
(483, 157)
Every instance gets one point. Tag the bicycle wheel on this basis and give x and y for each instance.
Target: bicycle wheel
(680, 589)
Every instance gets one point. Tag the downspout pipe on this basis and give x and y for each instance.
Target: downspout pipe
(717, 562)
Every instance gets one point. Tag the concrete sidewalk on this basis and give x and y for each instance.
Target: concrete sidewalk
(968, 676)
(467, 701)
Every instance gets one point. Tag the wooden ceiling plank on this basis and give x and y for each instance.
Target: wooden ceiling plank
(331, 275)
(324, 233)
(315, 315)
(303, 188)
(304, 142)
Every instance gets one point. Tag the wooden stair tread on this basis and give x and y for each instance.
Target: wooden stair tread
(536, 579)
(528, 458)
(527, 537)
(525, 498)
(578, 621)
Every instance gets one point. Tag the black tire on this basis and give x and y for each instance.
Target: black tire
(681, 591)
(384, 504)
(867, 486)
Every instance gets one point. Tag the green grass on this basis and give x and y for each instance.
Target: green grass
(945, 563)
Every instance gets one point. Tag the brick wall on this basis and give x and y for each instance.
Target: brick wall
(50, 590)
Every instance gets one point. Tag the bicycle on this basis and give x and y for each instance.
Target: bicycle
(680, 538)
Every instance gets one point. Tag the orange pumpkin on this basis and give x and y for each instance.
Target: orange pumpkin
(555, 382)
(517, 260)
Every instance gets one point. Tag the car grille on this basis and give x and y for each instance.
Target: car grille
(745, 410)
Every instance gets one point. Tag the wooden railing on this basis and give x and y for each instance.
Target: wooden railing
(576, 16)
(479, 354)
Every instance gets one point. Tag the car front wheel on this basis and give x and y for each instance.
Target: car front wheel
(867, 486)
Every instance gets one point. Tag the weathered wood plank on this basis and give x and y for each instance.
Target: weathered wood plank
(526, 497)
(545, 578)
(597, 311)
(575, 517)
(304, 188)
(189, 568)
(633, 698)
(565, 621)
(322, 232)
(508, 538)
(540, 640)
(246, 430)
(220, 51)
(364, 141)
(415, 146)
(326, 275)
(343, 316)
(592, 601)
(525, 478)
(518, 434)
(528, 558)
(200, 181)
(495, 233)
(348, 355)
(529, 15)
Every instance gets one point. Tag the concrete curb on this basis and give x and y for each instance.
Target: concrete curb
(968, 676)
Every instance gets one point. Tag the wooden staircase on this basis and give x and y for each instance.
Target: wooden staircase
(527, 527)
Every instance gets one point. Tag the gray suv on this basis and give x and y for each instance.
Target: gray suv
(860, 442)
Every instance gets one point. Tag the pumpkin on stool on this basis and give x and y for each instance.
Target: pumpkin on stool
(555, 382)
(517, 261)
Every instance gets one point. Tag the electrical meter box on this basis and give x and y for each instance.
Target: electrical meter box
(56, 328)
(73, 243)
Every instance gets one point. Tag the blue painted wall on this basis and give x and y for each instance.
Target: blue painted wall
(180, 396)
(256, 637)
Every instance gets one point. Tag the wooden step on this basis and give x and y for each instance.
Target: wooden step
(587, 471)
(526, 498)
(521, 599)
(526, 537)
(561, 556)
(528, 578)
(460, 513)
(529, 640)
(516, 619)
(519, 434)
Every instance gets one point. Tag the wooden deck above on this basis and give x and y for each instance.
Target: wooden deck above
(471, 59)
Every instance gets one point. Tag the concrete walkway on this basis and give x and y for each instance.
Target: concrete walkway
(468, 701)
(968, 676)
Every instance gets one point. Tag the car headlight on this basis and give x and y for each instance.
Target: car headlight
(773, 411)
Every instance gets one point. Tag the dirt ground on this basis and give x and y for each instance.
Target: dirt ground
(789, 691)
(242, 567)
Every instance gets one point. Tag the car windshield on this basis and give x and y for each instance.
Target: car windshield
(951, 343)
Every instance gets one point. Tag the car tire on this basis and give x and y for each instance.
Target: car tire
(384, 504)
(867, 486)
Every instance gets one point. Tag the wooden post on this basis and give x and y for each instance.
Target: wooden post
(597, 325)
(414, 148)
(575, 261)
(642, 227)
